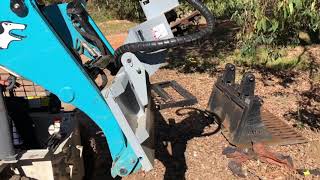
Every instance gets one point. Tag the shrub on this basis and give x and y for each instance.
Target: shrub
(275, 22)
(119, 9)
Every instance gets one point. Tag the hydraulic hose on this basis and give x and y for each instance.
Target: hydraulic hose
(173, 42)
(79, 15)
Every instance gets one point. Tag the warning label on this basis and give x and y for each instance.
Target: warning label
(159, 32)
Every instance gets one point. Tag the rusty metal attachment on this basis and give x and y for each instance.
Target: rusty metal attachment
(242, 116)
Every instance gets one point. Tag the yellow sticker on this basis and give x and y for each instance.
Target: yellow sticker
(306, 173)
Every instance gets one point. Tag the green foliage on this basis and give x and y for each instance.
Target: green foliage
(263, 23)
(119, 9)
(273, 58)
(102, 10)
(219, 8)
(275, 22)
(270, 23)
(223, 8)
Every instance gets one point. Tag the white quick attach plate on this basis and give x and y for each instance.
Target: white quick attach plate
(152, 30)
(155, 8)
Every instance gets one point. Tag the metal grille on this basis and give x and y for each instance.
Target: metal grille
(25, 89)
(281, 132)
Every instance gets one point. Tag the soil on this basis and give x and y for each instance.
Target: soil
(116, 40)
(196, 157)
(183, 152)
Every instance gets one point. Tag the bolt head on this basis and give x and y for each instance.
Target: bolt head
(123, 171)
(67, 94)
(251, 78)
(16, 6)
(133, 161)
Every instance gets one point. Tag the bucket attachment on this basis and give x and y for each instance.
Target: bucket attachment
(243, 119)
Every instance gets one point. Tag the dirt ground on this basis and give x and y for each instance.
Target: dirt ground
(183, 152)
(195, 157)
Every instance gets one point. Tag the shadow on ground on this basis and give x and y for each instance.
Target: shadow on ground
(170, 142)
(286, 77)
(308, 111)
(199, 57)
(96, 154)
(172, 138)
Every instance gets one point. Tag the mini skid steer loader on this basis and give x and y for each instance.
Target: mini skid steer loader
(60, 48)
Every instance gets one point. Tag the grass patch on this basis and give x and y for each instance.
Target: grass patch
(98, 14)
(278, 59)
(116, 26)
(287, 63)
(99, 17)
(107, 24)
(316, 78)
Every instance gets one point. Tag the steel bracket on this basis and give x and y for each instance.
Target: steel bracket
(164, 100)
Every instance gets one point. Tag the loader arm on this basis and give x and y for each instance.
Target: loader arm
(44, 58)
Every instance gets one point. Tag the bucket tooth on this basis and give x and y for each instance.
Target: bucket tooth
(243, 118)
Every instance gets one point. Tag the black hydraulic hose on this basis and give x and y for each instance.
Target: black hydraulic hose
(79, 15)
(93, 39)
(173, 42)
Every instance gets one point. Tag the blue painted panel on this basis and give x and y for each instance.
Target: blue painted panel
(43, 58)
